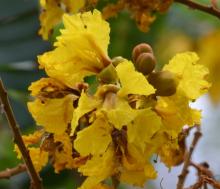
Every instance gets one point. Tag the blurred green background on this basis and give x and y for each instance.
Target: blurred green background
(176, 31)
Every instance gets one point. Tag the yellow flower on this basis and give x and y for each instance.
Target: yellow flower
(114, 131)
(119, 128)
(80, 51)
(175, 113)
(190, 74)
(175, 110)
(52, 12)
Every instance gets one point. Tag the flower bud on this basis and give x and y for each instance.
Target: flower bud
(117, 60)
(108, 74)
(139, 49)
(164, 82)
(145, 63)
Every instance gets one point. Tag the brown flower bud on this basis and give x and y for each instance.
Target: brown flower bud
(164, 82)
(139, 49)
(145, 63)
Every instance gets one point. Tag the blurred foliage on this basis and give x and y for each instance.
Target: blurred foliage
(176, 31)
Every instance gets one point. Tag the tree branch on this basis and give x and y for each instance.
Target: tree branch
(8, 173)
(182, 176)
(35, 178)
(208, 9)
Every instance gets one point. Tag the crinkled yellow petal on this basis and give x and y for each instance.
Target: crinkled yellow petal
(63, 65)
(98, 169)
(38, 157)
(47, 85)
(63, 156)
(144, 126)
(136, 168)
(122, 114)
(50, 17)
(171, 154)
(53, 11)
(175, 113)
(138, 178)
(94, 139)
(132, 82)
(85, 105)
(33, 138)
(53, 114)
(191, 75)
(80, 51)
(91, 182)
(88, 24)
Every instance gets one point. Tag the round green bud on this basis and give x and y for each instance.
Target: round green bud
(164, 82)
(145, 63)
(117, 60)
(139, 49)
(108, 74)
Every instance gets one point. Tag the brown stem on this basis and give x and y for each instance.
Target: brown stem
(202, 170)
(182, 176)
(208, 9)
(197, 185)
(35, 178)
(212, 182)
(115, 182)
(8, 173)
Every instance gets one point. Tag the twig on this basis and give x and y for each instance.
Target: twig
(208, 9)
(182, 176)
(35, 178)
(205, 174)
(8, 173)
(115, 182)
(212, 182)
(197, 185)
(202, 169)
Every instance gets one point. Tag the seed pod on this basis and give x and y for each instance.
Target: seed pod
(139, 49)
(145, 63)
(117, 60)
(164, 82)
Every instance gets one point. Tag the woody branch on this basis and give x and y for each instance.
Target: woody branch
(35, 178)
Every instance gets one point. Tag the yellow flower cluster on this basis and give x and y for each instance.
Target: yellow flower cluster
(116, 130)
